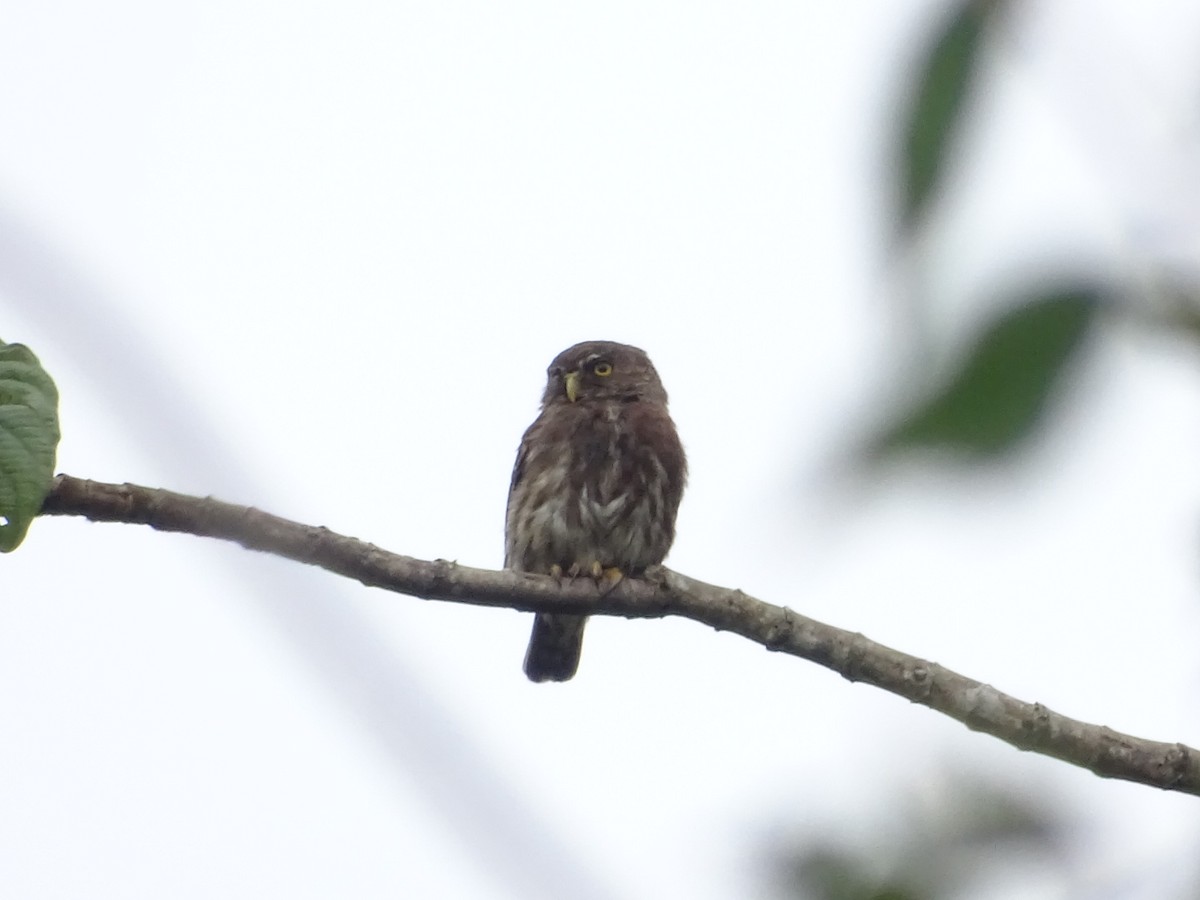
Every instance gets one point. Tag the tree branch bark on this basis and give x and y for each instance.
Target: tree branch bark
(1027, 726)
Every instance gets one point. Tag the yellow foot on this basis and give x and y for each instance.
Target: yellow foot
(608, 578)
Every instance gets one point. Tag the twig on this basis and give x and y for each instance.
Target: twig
(1027, 726)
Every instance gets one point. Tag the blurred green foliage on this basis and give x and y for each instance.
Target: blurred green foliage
(995, 397)
(972, 833)
(983, 836)
(942, 89)
(998, 392)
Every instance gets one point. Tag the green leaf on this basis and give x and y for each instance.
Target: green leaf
(997, 395)
(28, 440)
(942, 89)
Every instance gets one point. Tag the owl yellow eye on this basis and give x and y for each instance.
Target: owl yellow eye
(602, 369)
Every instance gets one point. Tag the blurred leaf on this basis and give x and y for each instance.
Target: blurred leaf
(826, 873)
(961, 835)
(941, 92)
(997, 395)
(989, 816)
(28, 440)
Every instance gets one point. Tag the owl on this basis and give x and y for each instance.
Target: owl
(596, 486)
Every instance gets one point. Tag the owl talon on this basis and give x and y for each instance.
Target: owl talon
(556, 572)
(608, 579)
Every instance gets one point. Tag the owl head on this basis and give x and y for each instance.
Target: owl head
(602, 371)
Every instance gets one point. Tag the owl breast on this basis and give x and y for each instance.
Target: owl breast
(599, 500)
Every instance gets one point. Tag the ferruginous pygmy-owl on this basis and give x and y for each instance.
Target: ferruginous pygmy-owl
(596, 486)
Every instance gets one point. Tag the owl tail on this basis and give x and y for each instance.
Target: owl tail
(554, 647)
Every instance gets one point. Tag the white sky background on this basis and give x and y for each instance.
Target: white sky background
(343, 242)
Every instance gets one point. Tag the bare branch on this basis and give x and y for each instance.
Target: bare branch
(1027, 726)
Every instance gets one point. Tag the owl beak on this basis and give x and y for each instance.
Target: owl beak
(571, 379)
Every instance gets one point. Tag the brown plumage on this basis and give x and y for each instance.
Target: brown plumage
(596, 485)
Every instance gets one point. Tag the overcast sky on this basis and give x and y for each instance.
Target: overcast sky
(316, 258)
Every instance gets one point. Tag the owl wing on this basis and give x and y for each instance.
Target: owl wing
(517, 473)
